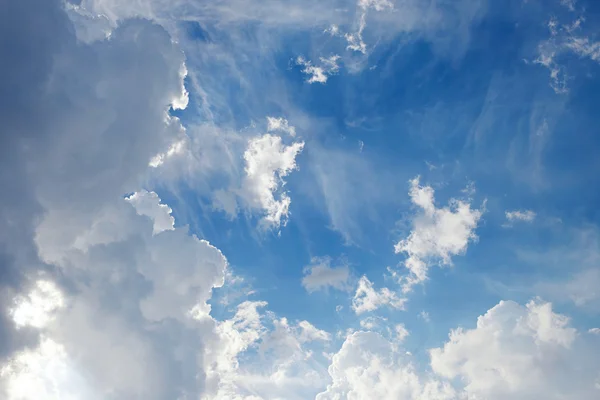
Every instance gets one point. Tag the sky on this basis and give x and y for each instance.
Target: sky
(299, 199)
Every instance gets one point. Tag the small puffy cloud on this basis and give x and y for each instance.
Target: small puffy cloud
(320, 275)
(514, 352)
(594, 331)
(268, 161)
(437, 233)
(148, 204)
(366, 298)
(520, 215)
(319, 74)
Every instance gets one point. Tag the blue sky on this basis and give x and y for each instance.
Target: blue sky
(285, 199)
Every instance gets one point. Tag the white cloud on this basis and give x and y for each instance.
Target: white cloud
(333, 30)
(250, 361)
(562, 42)
(368, 366)
(594, 331)
(355, 40)
(320, 275)
(148, 204)
(366, 298)
(44, 373)
(235, 336)
(520, 215)
(514, 352)
(437, 233)
(268, 162)
(319, 74)
(309, 333)
(584, 47)
(106, 291)
(37, 309)
(372, 322)
(175, 148)
(519, 352)
(258, 185)
(378, 5)
(280, 124)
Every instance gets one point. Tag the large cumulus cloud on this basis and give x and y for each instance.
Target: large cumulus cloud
(80, 123)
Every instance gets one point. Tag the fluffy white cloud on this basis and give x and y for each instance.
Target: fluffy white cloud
(105, 298)
(368, 366)
(252, 361)
(437, 233)
(132, 282)
(268, 162)
(148, 204)
(519, 352)
(320, 275)
(366, 298)
(99, 298)
(520, 215)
